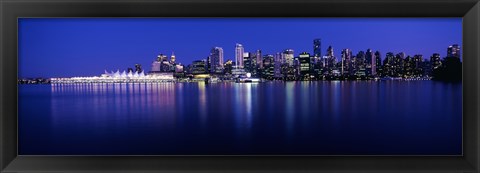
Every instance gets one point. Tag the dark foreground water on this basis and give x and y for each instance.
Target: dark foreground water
(279, 118)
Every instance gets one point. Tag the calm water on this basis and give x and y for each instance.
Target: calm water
(341, 118)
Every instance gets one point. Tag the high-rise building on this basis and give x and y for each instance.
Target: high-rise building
(388, 64)
(304, 62)
(378, 63)
(278, 61)
(288, 56)
(216, 60)
(268, 66)
(435, 61)
(453, 51)
(370, 63)
(259, 59)
(239, 50)
(346, 66)
(317, 47)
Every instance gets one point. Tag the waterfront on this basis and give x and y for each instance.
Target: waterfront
(322, 117)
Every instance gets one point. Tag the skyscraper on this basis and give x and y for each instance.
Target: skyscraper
(304, 60)
(259, 59)
(378, 63)
(435, 61)
(453, 51)
(371, 63)
(317, 47)
(216, 59)
(288, 56)
(346, 62)
(138, 68)
(239, 55)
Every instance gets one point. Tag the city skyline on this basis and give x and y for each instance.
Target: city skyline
(39, 55)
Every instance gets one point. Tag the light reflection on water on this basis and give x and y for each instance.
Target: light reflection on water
(357, 117)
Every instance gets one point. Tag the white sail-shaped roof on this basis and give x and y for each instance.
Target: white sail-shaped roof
(142, 74)
(130, 74)
(124, 74)
(135, 74)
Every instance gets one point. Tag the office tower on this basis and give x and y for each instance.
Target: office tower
(288, 56)
(161, 57)
(346, 66)
(330, 61)
(408, 67)
(172, 58)
(435, 61)
(370, 63)
(418, 61)
(398, 64)
(278, 61)
(388, 64)
(249, 61)
(239, 50)
(304, 62)
(259, 59)
(317, 47)
(199, 67)
(378, 63)
(216, 60)
(268, 66)
(453, 51)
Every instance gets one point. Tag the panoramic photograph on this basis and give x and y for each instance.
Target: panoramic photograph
(240, 86)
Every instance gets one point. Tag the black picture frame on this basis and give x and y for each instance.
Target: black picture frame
(10, 10)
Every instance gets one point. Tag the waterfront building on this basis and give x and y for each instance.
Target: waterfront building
(199, 67)
(388, 65)
(378, 63)
(304, 64)
(360, 64)
(268, 70)
(216, 60)
(278, 61)
(239, 51)
(288, 56)
(418, 61)
(370, 65)
(346, 62)
(259, 61)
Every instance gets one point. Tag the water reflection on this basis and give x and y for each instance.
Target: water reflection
(221, 118)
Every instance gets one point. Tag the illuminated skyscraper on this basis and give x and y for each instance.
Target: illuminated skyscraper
(370, 63)
(346, 67)
(453, 51)
(259, 62)
(304, 60)
(216, 59)
(239, 50)
(317, 47)
(288, 56)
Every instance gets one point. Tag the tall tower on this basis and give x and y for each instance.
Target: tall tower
(239, 55)
(288, 56)
(216, 59)
(371, 62)
(259, 59)
(317, 47)
(346, 62)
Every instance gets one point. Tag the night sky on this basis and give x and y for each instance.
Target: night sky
(66, 47)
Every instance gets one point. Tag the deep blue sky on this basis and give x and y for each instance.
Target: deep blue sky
(67, 47)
